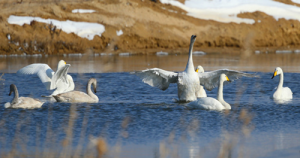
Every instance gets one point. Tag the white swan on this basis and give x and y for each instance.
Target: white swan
(22, 102)
(281, 93)
(188, 81)
(209, 103)
(202, 92)
(79, 97)
(59, 79)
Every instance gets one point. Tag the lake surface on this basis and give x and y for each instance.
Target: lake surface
(137, 120)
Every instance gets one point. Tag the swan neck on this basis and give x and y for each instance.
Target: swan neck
(220, 92)
(280, 81)
(89, 91)
(190, 64)
(16, 95)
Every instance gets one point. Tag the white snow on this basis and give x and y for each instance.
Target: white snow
(124, 54)
(119, 33)
(83, 11)
(227, 10)
(82, 29)
(296, 1)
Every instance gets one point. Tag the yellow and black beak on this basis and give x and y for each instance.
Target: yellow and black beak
(197, 70)
(275, 74)
(228, 79)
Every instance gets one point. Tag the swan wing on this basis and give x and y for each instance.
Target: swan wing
(210, 80)
(43, 71)
(157, 77)
(60, 74)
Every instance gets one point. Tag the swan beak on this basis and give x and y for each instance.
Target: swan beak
(275, 74)
(65, 63)
(228, 79)
(95, 90)
(9, 93)
(197, 70)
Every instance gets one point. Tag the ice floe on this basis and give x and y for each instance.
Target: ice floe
(161, 53)
(119, 33)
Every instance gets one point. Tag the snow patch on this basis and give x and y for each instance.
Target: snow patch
(124, 54)
(83, 11)
(82, 29)
(119, 33)
(227, 10)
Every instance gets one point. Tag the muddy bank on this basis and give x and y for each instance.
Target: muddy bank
(147, 26)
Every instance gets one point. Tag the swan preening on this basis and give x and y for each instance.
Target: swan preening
(59, 79)
(209, 103)
(79, 97)
(22, 102)
(188, 81)
(281, 93)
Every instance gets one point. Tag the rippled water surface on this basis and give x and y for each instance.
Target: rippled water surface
(137, 120)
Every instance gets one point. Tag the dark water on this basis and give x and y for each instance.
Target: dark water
(153, 118)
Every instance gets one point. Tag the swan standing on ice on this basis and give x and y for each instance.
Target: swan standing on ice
(210, 103)
(79, 97)
(22, 102)
(281, 93)
(59, 79)
(188, 81)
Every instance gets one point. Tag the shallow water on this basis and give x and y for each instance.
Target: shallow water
(156, 124)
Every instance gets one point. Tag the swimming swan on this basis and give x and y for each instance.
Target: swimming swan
(59, 79)
(202, 92)
(79, 97)
(22, 102)
(188, 81)
(281, 93)
(209, 103)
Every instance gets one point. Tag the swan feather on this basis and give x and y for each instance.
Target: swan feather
(156, 77)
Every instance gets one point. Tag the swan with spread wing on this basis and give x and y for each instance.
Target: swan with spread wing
(59, 79)
(188, 81)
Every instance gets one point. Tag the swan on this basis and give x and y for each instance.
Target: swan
(201, 92)
(210, 103)
(281, 93)
(79, 97)
(59, 79)
(188, 81)
(22, 102)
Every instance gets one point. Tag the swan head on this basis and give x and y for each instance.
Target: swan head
(12, 88)
(199, 69)
(223, 78)
(61, 63)
(277, 71)
(193, 38)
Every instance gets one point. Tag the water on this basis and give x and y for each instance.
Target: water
(153, 123)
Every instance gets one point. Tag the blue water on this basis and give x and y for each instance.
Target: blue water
(153, 117)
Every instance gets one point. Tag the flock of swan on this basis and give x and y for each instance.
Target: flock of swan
(191, 84)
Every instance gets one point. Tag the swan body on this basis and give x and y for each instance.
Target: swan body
(209, 103)
(79, 97)
(281, 93)
(188, 81)
(22, 102)
(59, 80)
